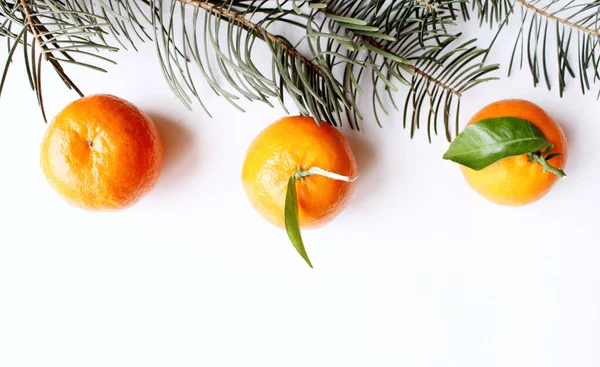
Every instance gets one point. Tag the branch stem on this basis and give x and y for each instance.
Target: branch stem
(543, 13)
(435, 81)
(30, 23)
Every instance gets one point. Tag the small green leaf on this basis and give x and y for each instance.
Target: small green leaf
(377, 35)
(296, 8)
(490, 140)
(387, 55)
(346, 20)
(364, 28)
(292, 222)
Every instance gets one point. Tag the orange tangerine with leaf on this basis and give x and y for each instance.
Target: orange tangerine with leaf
(511, 152)
(298, 173)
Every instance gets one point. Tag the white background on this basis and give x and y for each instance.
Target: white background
(417, 271)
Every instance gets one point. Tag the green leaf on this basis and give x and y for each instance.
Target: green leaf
(364, 28)
(381, 36)
(292, 222)
(490, 140)
(386, 54)
(347, 20)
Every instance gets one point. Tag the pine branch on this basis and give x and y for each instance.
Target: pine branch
(491, 11)
(251, 27)
(30, 24)
(406, 41)
(418, 42)
(311, 86)
(564, 21)
(414, 69)
(60, 30)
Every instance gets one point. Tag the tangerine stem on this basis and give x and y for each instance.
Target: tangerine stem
(321, 172)
(538, 157)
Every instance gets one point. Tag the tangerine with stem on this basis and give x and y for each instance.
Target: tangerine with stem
(522, 179)
(291, 146)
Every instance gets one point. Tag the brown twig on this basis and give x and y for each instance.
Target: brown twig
(31, 21)
(559, 20)
(31, 24)
(46, 52)
(424, 75)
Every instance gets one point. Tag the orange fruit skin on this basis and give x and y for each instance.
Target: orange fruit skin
(515, 181)
(287, 145)
(101, 153)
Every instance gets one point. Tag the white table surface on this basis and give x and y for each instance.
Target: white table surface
(417, 271)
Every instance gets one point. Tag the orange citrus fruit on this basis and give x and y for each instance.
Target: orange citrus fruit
(101, 153)
(298, 143)
(515, 181)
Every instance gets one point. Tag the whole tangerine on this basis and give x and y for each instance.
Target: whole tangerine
(517, 181)
(283, 148)
(101, 153)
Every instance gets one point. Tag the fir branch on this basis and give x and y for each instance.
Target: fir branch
(430, 78)
(418, 51)
(62, 32)
(406, 41)
(31, 26)
(490, 11)
(252, 27)
(311, 86)
(574, 27)
(564, 21)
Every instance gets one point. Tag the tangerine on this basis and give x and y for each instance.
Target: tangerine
(101, 153)
(517, 181)
(294, 144)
